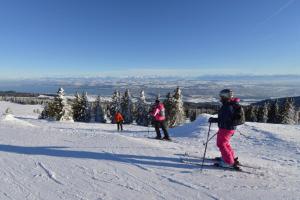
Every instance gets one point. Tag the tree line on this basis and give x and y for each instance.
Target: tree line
(80, 109)
(273, 112)
(25, 100)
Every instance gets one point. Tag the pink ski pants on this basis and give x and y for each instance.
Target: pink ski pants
(223, 138)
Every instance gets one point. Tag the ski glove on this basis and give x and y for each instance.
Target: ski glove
(213, 120)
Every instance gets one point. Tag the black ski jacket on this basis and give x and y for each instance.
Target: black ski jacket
(225, 116)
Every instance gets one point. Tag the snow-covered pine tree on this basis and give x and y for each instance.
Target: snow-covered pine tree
(67, 112)
(127, 107)
(54, 108)
(273, 114)
(115, 105)
(266, 112)
(253, 114)
(77, 111)
(100, 115)
(260, 113)
(142, 110)
(168, 103)
(288, 112)
(45, 112)
(57, 106)
(59, 109)
(177, 113)
(86, 108)
(263, 113)
(248, 113)
(81, 108)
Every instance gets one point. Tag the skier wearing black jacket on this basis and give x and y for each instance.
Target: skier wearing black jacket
(227, 125)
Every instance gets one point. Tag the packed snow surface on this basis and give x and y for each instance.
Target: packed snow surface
(56, 160)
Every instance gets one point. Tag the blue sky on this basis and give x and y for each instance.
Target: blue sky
(41, 38)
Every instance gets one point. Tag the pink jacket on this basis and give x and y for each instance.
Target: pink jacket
(159, 112)
(235, 100)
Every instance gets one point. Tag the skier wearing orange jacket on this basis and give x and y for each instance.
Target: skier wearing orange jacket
(119, 120)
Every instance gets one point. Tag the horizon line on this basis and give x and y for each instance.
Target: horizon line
(144, 76)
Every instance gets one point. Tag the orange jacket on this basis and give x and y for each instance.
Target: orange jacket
(118, 117)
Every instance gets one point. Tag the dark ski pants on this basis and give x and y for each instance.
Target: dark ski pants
(120, 126)
(163, 126)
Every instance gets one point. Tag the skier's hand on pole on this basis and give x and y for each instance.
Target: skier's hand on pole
(213, 120)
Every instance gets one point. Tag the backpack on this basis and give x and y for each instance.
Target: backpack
(238, 115)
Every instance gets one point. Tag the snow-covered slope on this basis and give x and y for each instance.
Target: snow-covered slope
(20, 110)
(53, 160)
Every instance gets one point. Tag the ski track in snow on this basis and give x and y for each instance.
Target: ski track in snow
(51, 175)
(13, 179)
(53, 160)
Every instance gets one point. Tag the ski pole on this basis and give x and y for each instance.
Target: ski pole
(148, 131)
(204, 143)
(205, 147)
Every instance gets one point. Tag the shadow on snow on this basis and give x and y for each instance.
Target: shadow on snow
(58, 151)
(138, 160)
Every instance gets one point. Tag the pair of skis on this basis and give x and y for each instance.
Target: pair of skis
(213, 163)
(216, 162)
(161, 139)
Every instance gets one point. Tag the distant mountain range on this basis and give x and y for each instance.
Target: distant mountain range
(249, 88)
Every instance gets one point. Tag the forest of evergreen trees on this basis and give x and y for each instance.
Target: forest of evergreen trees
(273, 112)
(279, 111)
(80, 109)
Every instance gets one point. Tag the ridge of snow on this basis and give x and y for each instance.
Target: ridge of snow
(11, 119)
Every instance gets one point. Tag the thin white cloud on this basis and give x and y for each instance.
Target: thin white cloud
(285, 6)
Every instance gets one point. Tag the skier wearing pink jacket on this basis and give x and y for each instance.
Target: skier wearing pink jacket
(158, 113)
(227, 125)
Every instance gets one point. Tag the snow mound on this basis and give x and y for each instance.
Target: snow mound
(193, 129)
(11, 119)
